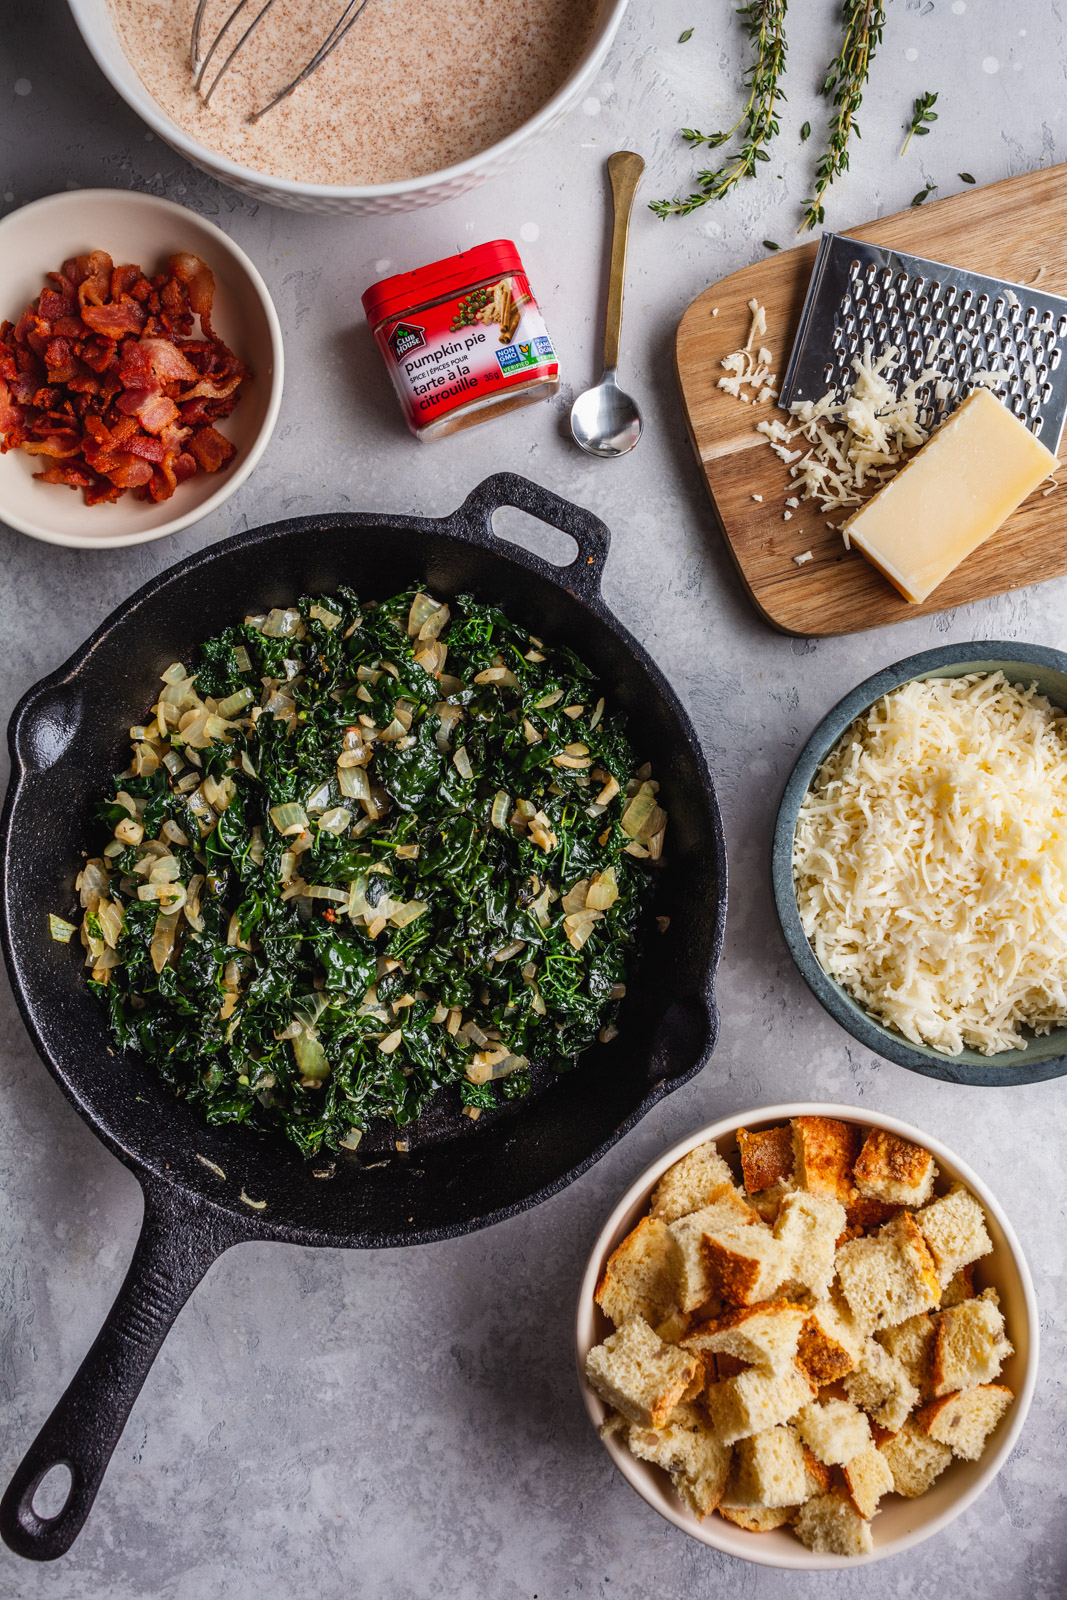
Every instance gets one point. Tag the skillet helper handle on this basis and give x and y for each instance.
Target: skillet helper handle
(175, 1249)
(582, 575)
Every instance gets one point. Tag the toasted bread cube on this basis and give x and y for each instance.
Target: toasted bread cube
(829, 1523)
(833, 1430)
(911, 1343)
(807, 1228)
(955, 1232)
(818, 1475)
(882, 1387)
(915, 1460)
(894, 1170)
(691, 1183)
(864, 1215)
(691, 1285)
(757, 1519)
(889, 1276)
(754, 1400)
(867, 1478)
(823, 1152)
(767, 1202)
(637, 1281)
(766, 1157)
(763, 1335)
(769, 1470)
(969, 1346)
(640, 1375)
(687, 1448)
(964, 1421)
(674, 1327)
(959, 1287)
(830, 1344)
(743, 1265)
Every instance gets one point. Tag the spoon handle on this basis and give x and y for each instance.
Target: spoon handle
(624, 169)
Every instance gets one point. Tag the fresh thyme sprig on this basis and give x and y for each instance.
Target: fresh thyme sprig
(845, 80)
(764, 22)
(922, 115)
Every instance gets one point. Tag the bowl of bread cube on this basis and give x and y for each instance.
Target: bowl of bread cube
(807, 1336)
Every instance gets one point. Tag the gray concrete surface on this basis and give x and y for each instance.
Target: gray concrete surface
(407, 1423)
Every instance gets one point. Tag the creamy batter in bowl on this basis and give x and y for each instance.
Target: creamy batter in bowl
(418, 127)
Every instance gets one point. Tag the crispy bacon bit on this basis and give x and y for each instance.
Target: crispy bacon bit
(103, 374)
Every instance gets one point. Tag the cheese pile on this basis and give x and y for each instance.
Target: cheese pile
(930, 862)
(840, 449)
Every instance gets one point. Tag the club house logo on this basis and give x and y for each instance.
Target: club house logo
(404, 337)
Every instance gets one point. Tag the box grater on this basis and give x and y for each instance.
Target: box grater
(937, 316)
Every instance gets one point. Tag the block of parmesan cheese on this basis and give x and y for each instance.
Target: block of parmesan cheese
(953, 493)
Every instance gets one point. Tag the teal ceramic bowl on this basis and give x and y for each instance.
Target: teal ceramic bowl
(1044, 1056)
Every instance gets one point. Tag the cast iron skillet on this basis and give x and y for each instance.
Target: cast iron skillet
(70, 732)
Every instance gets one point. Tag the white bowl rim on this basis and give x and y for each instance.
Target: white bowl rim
(149, 110)
(633, 1470)
(75, 198)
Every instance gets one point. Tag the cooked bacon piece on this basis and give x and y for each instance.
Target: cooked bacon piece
(115, 320)
(102, 375)
(210, 449)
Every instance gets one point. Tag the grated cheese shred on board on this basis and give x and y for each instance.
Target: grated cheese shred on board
(930, 863)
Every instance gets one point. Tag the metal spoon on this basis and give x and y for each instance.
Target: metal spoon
(604, 420)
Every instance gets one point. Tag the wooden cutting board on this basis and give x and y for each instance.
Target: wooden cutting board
(1008, 230)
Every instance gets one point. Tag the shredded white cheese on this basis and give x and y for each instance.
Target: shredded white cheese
(841, 450)
(930, 862)
(805, 555)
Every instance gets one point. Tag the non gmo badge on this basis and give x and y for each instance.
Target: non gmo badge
(404, 337)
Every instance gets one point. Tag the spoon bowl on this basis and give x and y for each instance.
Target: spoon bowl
(604, 420)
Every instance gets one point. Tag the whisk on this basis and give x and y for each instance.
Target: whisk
(199, 63)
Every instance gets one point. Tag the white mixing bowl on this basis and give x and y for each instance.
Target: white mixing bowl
(94, 21)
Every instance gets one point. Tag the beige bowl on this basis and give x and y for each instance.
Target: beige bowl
(900, 1524)
(138, 227)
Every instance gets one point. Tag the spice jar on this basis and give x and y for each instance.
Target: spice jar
(463, 339)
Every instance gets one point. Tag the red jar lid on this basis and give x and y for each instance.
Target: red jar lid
(405, 290)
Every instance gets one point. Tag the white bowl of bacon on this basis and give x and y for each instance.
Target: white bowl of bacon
(869, 1483)
(141, 368)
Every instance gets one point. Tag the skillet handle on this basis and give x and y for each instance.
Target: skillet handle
(582, 575)
(179, 1240)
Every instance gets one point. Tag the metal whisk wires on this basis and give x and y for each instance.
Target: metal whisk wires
(199, 62)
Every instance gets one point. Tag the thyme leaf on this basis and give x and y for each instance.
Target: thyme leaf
(922, 115)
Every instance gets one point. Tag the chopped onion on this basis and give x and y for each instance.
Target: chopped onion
(574, 712)
(244, 660)
(603, 890)
(391, 1042)
(461, 762)
(174, 673)
(510, 950)
(192, 903)
(353, 783)
(350, 1140)
(60, 930)
(128, 831)
(277, 624)
(408, 912)
(310, 1056)
(501, 806)
(493, 1064)
(173, 833)
(503, 677)
(163, 937)
(579, 925)
(320, 891)
(329, 619)
(576, 898)
(165, 869)
(235, 702)
(422, 609)
(289, 819)
(548, 700)
(336, 820)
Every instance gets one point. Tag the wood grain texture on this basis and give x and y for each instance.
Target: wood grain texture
(1008, 230)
